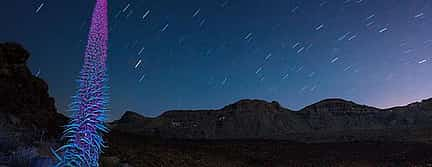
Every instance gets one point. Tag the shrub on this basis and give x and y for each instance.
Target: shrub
(22, 156)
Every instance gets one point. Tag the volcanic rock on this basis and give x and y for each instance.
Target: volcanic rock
(330, 120)
(25, 102)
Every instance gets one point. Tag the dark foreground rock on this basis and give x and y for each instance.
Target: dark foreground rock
(24, 99)
(29, 122)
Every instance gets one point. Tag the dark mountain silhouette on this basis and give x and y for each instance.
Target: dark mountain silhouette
(326, 121)
(25, 102)
(256, 133)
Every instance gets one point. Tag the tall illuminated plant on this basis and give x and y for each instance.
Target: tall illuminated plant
(84, 132)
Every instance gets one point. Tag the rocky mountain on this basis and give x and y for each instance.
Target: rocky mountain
(326, 121)
(24, 100)
(29, 122)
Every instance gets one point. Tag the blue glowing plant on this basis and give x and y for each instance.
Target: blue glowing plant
(84, 132)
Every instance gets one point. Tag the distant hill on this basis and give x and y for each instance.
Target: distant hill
(330, 120)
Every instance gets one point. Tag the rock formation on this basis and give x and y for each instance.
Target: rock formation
(25, 102)
(325, 121)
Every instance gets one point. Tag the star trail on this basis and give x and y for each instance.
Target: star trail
(206, 54)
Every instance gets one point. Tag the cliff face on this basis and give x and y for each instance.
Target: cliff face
(24, 99)
(327, 120)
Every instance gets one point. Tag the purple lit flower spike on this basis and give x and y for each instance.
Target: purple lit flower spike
(84, 132)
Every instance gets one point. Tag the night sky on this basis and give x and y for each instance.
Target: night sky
(204, 54)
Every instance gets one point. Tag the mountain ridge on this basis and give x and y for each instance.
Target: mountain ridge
(428, 100)
(326, 120)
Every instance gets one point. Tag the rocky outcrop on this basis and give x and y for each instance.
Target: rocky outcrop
(328, 120)
(25, 102)
(132, 117)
